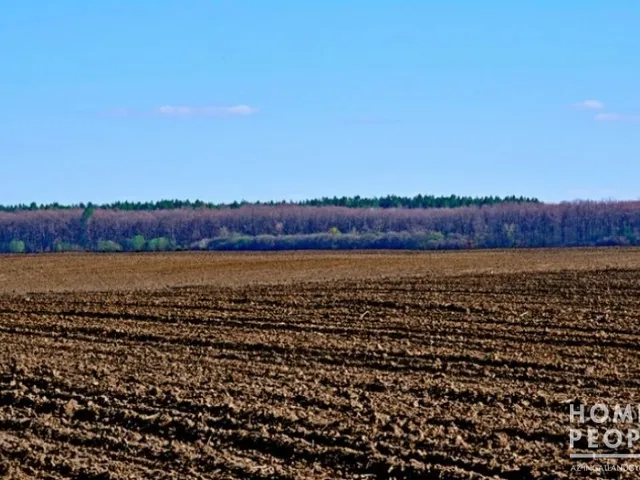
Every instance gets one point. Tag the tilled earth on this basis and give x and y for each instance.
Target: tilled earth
(423, 376)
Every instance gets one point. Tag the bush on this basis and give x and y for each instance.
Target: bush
(328, 241)
(200, 244)
(66, 247)
(137, 243)
(17, 246)
(108, 246)
(160, 244)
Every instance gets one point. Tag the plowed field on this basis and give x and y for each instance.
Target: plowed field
(321, 366)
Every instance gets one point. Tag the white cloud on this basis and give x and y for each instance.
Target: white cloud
(602, 116)
(188, 111)
(616, 117)
(241, 110)
(171, 110)
(185, 111)
(589, 105)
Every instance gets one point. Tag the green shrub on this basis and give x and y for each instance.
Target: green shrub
(137, 243)
(17, 246)
(160, 244)
(108, 246)
(326, 241)
(66, 247)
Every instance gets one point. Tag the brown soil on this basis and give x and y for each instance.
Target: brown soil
(90, 272)
(345, 365)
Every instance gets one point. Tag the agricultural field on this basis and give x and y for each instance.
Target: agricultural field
(312, 365)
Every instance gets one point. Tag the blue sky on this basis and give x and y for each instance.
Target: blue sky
(232, 99)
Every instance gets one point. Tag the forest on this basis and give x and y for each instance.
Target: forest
(388, 201)
(291, 226)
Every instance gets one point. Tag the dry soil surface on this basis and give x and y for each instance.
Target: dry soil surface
(322, 366)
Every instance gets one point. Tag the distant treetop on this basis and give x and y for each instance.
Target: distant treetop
(389, 201)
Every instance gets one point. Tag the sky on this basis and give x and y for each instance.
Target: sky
(225, 100)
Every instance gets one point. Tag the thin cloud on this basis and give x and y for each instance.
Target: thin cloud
(616, 117)
(589, 105)
(602, 116)
(241, 110)
(187, 111)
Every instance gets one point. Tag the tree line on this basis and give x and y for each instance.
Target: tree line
(264, 227)
(389, 201)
